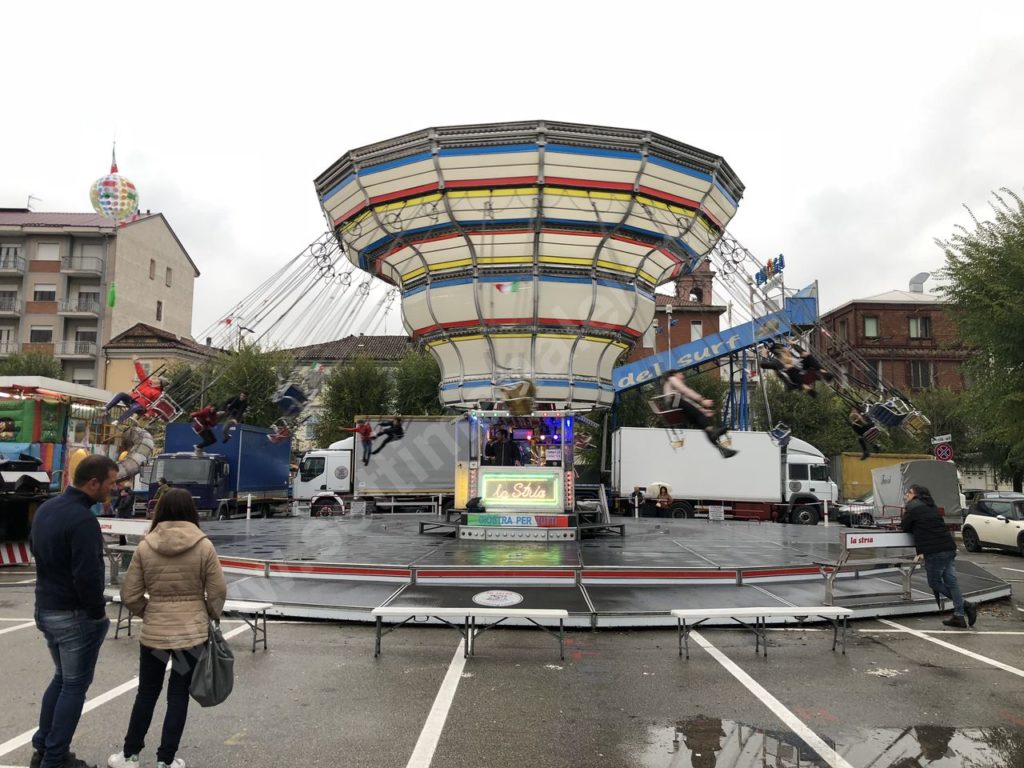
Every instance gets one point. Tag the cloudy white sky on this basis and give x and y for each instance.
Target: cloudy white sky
(860, 130)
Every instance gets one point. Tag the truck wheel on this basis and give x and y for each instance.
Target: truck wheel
(264, 511)
(681, 509)
(865, 520)
(322, 509)
(804, 515)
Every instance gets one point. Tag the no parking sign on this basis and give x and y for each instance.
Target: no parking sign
(944, 452)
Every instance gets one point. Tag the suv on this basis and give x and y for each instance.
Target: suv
(995, 522)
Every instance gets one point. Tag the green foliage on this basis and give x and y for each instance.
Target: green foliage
(417, 380)
(359, 387)
(32, 364)
(821, 420)
(247, 369)
(983, 285)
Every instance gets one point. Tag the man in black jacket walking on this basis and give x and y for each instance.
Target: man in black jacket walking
(70, 608)
(932, 539)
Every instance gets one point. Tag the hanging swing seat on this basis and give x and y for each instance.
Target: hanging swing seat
(518, 397)
(916, 422)
(290, 399)
(163, 408)
(890, 413)
(780, 433)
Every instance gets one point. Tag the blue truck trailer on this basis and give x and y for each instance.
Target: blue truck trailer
(227, 477)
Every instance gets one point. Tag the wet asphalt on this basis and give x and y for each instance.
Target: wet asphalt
(318, 697)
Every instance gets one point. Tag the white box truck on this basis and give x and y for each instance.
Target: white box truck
(414, 473)
(763, 481)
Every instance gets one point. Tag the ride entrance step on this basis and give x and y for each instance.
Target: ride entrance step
(517, 533)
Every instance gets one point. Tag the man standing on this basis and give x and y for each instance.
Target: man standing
(932, 539)
(503, 452)
(70, 608)
(365, 432)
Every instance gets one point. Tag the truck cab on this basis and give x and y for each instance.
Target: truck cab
(808, 483)
(325, 478)
(205, 477)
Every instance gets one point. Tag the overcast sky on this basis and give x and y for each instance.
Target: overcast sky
(859, 130)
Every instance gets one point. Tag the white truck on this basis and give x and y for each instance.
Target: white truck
(416, 472)
(763, 481)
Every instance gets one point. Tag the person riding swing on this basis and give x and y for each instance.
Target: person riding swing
(690, 406)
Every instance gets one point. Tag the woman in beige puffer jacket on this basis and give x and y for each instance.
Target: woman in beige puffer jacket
(175, 583)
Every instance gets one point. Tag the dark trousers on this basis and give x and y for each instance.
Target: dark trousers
(74, 642)
(208, 438)
(124, 398)
(152, 664)
(391, 433)
(691, 414)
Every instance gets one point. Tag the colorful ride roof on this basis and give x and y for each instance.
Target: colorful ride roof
(528, 250)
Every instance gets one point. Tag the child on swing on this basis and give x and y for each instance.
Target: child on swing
(696, 409)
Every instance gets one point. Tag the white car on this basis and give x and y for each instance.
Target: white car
(997, 523)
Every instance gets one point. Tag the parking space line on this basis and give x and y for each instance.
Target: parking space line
(22, 739)
(958, 649)
(27, 624)
(426, 744)
(944, 631)
(815, 742)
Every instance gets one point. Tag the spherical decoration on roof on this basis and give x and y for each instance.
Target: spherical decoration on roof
(114, 196)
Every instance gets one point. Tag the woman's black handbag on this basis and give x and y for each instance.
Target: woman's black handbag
(214, 673)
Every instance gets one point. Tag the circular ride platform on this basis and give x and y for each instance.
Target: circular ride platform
(342, 568)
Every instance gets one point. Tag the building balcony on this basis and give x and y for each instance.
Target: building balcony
(82, 265)
(79, 307)
(76, 349)
(10, 307)
(8, 348)
(12, 265)
(46, 347)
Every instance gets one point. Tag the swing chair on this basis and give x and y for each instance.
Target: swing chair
(518, 397)
(780, 434)
(890, 413)
(289, 399)
(671, 416)
(915, 423)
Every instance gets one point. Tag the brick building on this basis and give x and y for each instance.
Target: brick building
(907, 336)
(685, 316)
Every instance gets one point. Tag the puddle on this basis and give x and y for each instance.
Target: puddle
(704, 742)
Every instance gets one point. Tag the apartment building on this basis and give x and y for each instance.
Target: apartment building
(908, 337)
(56, 270)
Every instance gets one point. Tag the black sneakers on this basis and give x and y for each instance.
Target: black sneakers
(972, 613)
(727, 453)
(956, 621)
(69, 762)
(37, 759)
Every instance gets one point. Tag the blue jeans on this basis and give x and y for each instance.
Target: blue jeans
(367, 447)
(74, 642)
(941, 571)
(124, 398)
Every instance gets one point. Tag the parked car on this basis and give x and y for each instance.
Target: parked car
(997, 523)
(973, 497)
(856, 513)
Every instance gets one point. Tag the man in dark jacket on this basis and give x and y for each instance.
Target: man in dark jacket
(503, 452)
(70, 608)
(233, 411)
(933, 540)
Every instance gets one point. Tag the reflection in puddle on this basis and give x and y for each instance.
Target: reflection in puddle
(705, 742)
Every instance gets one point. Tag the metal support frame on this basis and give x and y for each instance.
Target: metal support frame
(760, 629)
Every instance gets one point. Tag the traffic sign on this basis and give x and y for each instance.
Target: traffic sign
(944, 452)
(942, 439)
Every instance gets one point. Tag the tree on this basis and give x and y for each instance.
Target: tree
(32, 364)
(360, 387)
(417, 380)
(983, 284)
(248, 369)
(821, 420)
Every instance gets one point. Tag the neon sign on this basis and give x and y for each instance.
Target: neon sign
(521, 489)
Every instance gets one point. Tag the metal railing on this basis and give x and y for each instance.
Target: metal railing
(76, 349)
(10, 305)
(80, 305)
(9, 348)
(11, 263)
(82, 264)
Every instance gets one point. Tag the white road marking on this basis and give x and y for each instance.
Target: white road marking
(964, 651)
(1016, 570)
(12, 583)
(426, 744)
(22, 739)
(20, 618)
(15, 628)
(829, 755)
(942, 632)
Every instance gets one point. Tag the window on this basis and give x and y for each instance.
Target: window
(167, 277)
(40, 334)
(798, 472)
(920, 327)
(88, 300)
(844, 334)
(159, 311)
(9, 254)
(48, 251)
(870, 327)
(84, 376)
(921, 374)
(86, 335)
(8, 299)
(995, 508)
(44, 292)
(93, 251)
(311, 468)
(819, 472)
(152, 269)
(696, 330)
